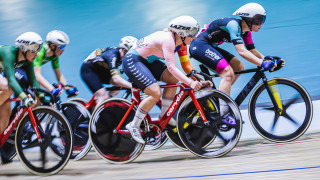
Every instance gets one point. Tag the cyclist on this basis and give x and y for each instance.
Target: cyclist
(27, 46)
(205, 46)
(56, 41)
(100, 67)
(143, 67)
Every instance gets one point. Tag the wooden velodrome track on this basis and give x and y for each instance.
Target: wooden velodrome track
(251, 159)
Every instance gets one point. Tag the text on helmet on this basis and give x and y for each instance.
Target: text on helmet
(180, 27)
(242, 14)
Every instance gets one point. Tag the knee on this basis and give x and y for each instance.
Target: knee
(227, 74)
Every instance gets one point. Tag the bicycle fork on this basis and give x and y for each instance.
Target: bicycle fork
(33, 121)
(196, 103)
(274, 94)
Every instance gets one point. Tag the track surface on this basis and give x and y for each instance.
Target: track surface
(252, 159)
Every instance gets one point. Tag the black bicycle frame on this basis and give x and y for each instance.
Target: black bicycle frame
(259, 74)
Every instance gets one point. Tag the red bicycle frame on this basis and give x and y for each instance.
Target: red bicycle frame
(162, 123)
(15, 120)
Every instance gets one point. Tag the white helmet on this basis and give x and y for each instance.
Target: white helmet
(127, 42)
(29, 41)
(252, 13)
(57, 37)
(184, 26)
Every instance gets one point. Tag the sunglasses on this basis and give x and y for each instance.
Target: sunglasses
(62, 47)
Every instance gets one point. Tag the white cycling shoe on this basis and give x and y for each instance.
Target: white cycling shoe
(135, 133)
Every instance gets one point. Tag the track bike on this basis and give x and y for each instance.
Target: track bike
(280, 109)
(43, 137)
(199, 124)
(90, 106)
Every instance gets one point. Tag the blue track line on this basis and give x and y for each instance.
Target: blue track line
(252, 172)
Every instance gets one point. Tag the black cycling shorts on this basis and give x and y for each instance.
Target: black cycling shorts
(94, 76)
(142, 73)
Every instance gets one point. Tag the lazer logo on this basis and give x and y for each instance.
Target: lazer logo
(212, 54)
(175, 103)
(180, 27)
(242, 14)
(13, 121)
(23, 41)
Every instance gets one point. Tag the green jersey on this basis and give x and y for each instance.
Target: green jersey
(9, 62)
(42, 58)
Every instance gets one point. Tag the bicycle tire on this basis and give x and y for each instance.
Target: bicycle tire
(79, 118)
(222, 138)
(55, 148)
(111, 146)
(280, 127)
(82, 102)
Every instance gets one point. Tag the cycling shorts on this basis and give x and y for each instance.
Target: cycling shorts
(142, 73)
(213, 57)
(94, 76)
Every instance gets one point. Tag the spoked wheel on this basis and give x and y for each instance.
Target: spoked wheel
(79, 118)
(216, 138)
(52, 153)
(294, 118)
(112, 146)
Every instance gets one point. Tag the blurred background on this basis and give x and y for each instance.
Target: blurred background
(291, 30)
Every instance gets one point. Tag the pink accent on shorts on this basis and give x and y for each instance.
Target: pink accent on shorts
(222, 64)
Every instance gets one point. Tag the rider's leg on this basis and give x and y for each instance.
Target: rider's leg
(5, 112)
(94, 77)
(101, 95)
(236, 65)
(154, 93)
(5, 108)
(168, 93)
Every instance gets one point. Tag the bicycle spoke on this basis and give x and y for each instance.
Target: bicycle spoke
(276, 118)
(43, 154)
(292, 101)
(32, 144)
(286, 115)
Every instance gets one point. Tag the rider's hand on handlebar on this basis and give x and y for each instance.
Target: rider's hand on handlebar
(29, 101)
(268, 64)
(56, 91)
(72, 91)
(195, 85)
(206, 84)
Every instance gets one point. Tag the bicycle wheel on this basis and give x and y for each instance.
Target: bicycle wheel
(112, 146)
(51, 154)
(215, 139)
(296, 114)
(82, 102)
(79, 118)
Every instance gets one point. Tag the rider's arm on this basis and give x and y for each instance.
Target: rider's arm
(247, 39)
(257, 53)
(168, 53)
(8, 58)
(235, 35)
(243, 52)
(61, 79)
(56, 68)
(184, 60)
(43, 82)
